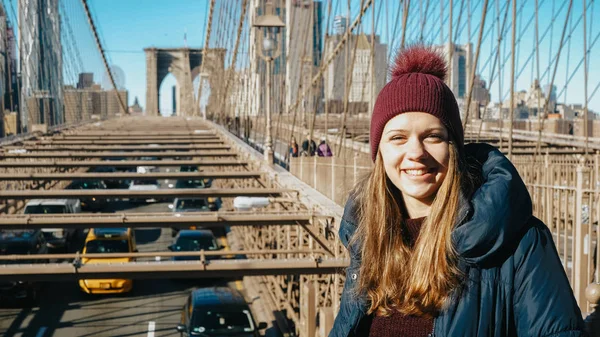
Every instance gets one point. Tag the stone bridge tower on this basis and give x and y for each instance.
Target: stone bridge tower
(184, 64)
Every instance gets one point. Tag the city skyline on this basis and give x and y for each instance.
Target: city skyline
(125, 50)
(195, 38)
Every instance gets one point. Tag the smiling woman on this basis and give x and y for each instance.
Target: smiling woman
(416, 154)
(441, 235)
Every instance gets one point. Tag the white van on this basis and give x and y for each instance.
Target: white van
(57, 238)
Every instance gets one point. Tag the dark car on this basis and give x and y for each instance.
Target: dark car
(92, 203)
(189, 240)
(190, 183)
(218, 311)
(183, 205)
(213, 202)
(21, 242)
(111, 183)
(192, 168)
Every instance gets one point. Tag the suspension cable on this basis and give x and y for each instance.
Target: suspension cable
(99, 45)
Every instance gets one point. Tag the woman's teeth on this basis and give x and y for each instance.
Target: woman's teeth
(416, 172)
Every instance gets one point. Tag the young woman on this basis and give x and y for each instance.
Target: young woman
(441, 235)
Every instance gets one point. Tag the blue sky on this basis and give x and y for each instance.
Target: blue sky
(128, 26)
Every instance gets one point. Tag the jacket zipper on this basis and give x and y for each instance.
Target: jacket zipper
(432, 334)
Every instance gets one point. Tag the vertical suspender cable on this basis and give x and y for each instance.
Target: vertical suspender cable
(229, 77)
(404, 19)
(562, 38)
(211, 10)
(450, 46)
(537, 62)
(585, 77)
(512, 79)
(441, 22)
(372, 96)
(474, 67)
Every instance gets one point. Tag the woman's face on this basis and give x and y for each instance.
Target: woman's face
(415, 151)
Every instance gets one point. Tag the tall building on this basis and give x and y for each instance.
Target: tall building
(41, 109)
(303, 23)
(8, 69)
(136, 109)
(459, 75)
(257, 82)
(12, 94)
(552, 96)
(536, 100)
(3, 65)
(113, 105)
(301, 43)
(364, 86)
(481, 94)
(339, 24)
(99, 101)
(73, 102)
(86, 80)
(10, 123)
(41, 63)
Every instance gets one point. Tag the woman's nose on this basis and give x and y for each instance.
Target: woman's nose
(415, 149)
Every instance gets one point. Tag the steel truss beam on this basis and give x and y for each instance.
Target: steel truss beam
(128, 138)
(99, 133)
(122, 163)
(133, 220)
(147, 135)
(117, 142)
(108, 154)
(117, 147)
(162, 193)
(532, 151)
(202, 254)
(127, 175)
(171, 269)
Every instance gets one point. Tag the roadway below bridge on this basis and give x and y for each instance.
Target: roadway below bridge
(152, 308)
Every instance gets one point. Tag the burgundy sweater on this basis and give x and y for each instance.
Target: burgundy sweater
(399, 324)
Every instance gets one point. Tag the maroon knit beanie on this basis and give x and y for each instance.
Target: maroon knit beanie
(417, 85)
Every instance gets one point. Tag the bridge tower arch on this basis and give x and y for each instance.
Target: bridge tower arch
(185, 65)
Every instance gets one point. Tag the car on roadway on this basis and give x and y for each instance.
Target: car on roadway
(58, 239)
(218, 311)
(193, 168)
(216, 202)
(183, 205)
(190, 183)
(194, 240)
(143, 185)
(21, 242)
(148, 169)
(111, 183)
(91, 203)
(108, 240)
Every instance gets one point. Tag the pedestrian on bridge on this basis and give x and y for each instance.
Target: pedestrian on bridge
(441, 235)
(309, 147)
(293, 148)
(324, 150)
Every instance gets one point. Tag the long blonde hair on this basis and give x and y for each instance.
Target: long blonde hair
(394, 276)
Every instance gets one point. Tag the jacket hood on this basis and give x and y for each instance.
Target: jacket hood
(498, 211)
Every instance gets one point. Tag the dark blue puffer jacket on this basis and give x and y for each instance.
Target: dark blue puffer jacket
(515, 284)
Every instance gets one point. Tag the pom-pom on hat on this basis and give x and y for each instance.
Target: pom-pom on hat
(417, 85)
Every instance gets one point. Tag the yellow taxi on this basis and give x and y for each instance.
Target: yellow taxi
(108, 240)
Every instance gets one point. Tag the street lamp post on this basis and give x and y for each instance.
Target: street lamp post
(268, 26)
